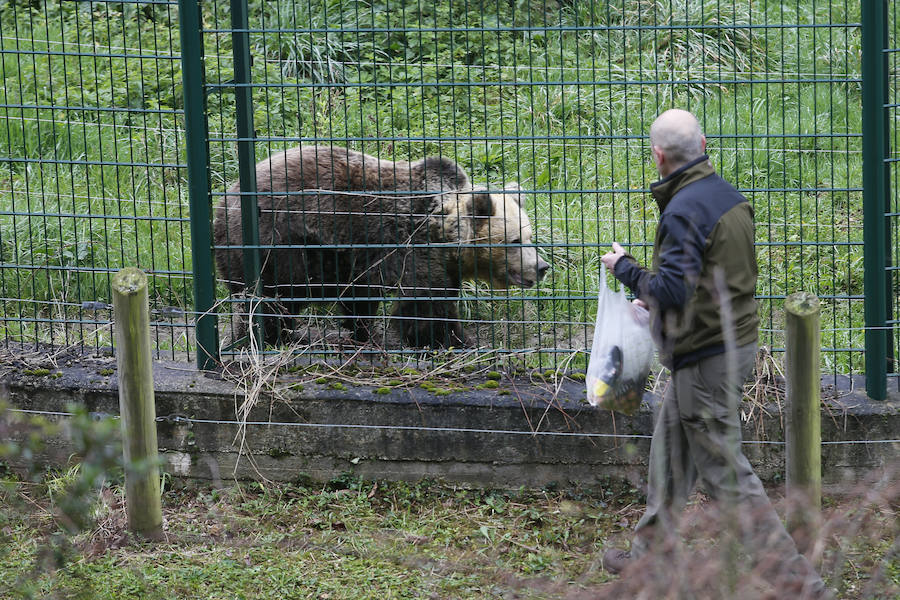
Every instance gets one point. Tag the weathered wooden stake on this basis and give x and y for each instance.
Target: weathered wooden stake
(136, 403)
(804, 429)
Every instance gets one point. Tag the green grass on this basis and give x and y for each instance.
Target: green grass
(556, 96)
(361, 539)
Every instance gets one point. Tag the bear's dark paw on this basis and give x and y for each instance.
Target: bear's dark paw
(460, 339)
(435, 334)
(360, 329)
(467, 341)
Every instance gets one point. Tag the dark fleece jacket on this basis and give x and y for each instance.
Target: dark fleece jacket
(703, 247)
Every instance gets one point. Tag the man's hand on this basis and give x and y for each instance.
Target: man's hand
(611, 258)
(641, 312)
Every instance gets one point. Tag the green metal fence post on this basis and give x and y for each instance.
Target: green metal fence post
(888, 221)
(874, 15)
(240, 39)
(198, 182)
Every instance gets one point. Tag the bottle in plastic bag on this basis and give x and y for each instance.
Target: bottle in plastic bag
(621, 353)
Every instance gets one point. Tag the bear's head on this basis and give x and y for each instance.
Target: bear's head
(493, 233)
(437, 173)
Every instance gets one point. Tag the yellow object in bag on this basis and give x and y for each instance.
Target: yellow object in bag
(621, 353)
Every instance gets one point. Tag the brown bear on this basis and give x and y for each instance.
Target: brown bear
(352, 228)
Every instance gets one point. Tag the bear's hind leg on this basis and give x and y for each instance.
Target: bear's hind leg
(278, 330)
(360, 318)
(277, 321)
(430, 323)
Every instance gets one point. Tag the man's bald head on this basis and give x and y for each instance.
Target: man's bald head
(677, 134)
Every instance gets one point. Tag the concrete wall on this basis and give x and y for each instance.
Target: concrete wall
(380, 447)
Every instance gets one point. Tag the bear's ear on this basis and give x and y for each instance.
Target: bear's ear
(481, 205)
(512, 189)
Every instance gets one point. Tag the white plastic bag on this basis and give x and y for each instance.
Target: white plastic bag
(621, 353)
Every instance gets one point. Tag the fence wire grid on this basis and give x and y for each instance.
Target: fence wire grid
(555, 96)
(92, 180)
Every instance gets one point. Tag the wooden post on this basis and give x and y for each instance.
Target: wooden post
(804, 429)
(136, 402)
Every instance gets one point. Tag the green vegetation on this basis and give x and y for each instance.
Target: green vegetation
(37, 372)
(555, 95)
(351, 539)
(63, 535)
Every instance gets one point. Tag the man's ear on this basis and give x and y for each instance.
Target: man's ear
(702, 143)
(481, 205)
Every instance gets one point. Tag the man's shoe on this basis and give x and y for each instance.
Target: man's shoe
(615, 561)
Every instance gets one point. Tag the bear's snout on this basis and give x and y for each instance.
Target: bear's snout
(540, 270)
(542, 267)
(528, 278)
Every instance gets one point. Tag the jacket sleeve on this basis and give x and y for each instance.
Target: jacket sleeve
(680, 255)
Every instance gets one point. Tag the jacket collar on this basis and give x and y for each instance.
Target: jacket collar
(664, 189)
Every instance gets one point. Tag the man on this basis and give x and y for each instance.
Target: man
(703, 316)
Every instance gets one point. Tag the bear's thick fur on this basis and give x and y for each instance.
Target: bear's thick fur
(355, 228)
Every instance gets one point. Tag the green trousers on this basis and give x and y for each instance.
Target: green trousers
(698, 436)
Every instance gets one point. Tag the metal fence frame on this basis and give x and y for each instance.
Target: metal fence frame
(876, 153)
(878, 26)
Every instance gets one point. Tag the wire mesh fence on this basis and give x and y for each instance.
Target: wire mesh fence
(559, 97)
(554, 96)
(92, 169)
